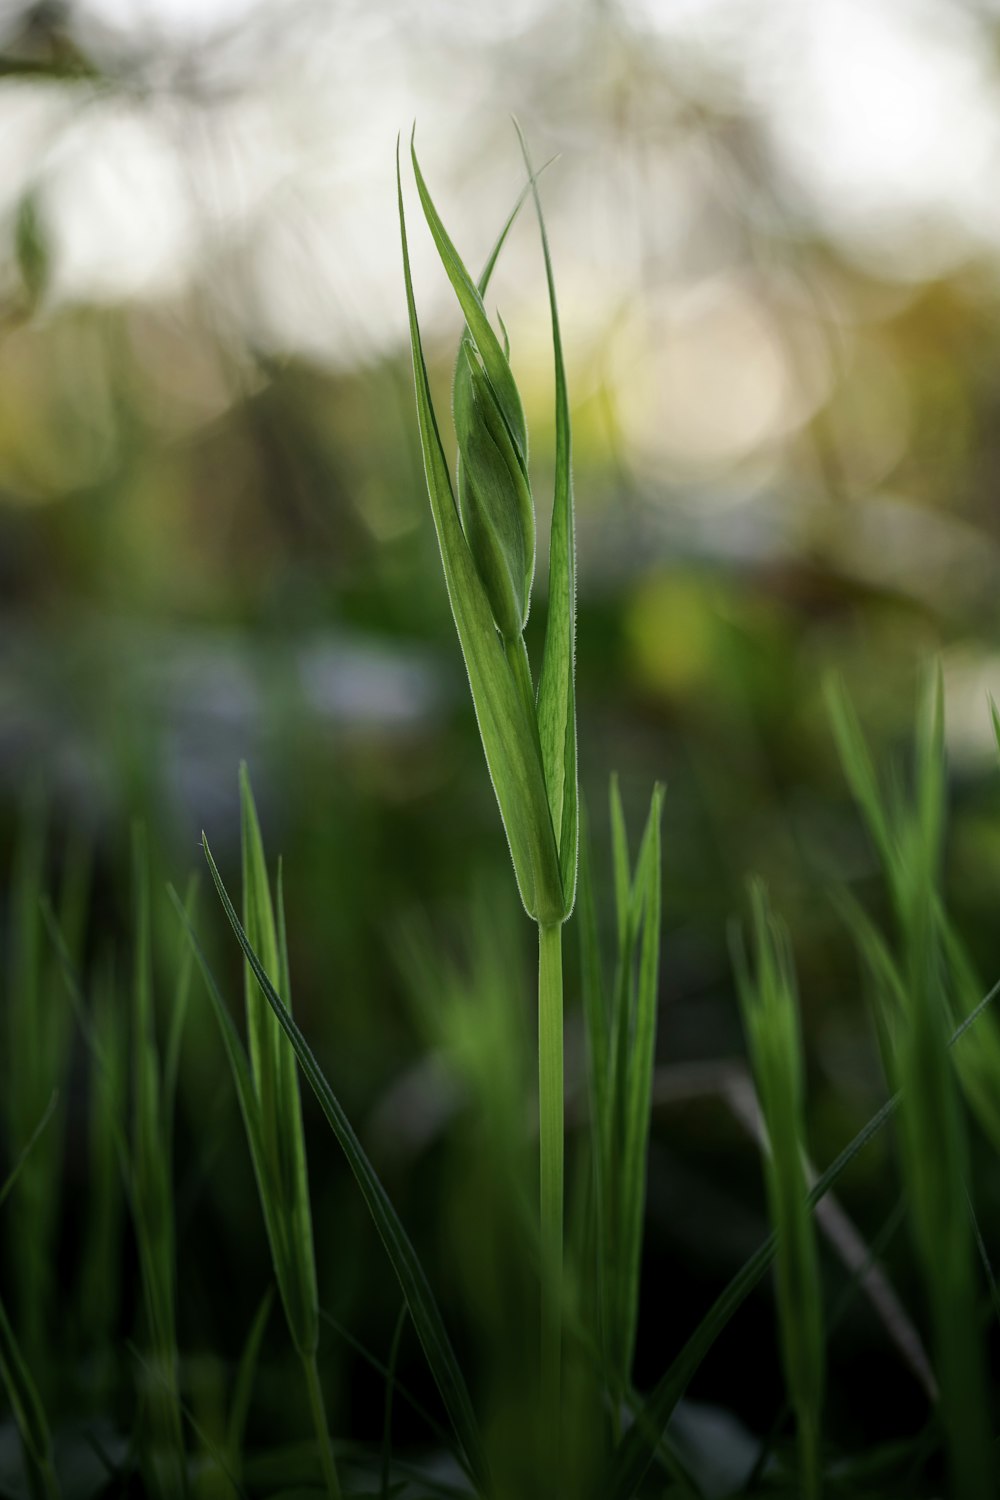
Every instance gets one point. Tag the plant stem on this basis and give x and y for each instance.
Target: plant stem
(550, 1145)
(318, 1410)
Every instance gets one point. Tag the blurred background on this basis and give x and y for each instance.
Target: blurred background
(776, 232)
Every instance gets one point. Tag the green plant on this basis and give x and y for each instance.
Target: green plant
(267, 1086)
(420, 1302)
(621, 1045)
(487, 542)
(770, 1017)
(34, 1049)
(15, 1376)
(149, 1184)
(913, 1001)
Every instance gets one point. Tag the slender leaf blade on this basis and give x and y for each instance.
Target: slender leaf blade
(412, 1279)
(639, 1079)
(509, 738)
(557, 680)
(635, 1453)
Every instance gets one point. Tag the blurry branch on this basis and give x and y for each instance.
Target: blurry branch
(67, 64)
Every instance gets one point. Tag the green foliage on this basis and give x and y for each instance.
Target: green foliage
(29, 1413)
(267, 1086)
(487, 552)
(277, 1138)
(635, 1453)
(913, 993)
(151, 1199)
(413, 1282)
(621, 1048)
(770, 1017)
(15, 1377)
(33, 1056)
(487, 547)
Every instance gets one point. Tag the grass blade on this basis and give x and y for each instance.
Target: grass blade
(638, 1082)
(509, 737)
(29, 1414)
(635, 1453)
(239, 1408)
(281, 1135)
(556, 685)
(26, 1150)
(413, 1282)
(770, 1017)
(494, 360)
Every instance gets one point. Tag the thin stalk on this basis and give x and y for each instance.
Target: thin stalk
(550, 1144)
(318, 1410)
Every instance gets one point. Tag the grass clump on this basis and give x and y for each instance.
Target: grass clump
(267, 1086)
(912, 989)
(770, 1016)
(621, 1045)
(552, 1407)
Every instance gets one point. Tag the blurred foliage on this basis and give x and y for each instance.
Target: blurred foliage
(214, 542)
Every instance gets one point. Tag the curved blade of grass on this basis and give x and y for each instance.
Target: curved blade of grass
(508, 735)
(635, 1453)
(239, 1408)
(277, 1089)
(595, 1011)
(556, 684)
(494, 360)
(457, 393)
(413, 1282)
(29, 1414)
(638, 1081)
(249, 1103)
(768, 1001)
(858, 767)
(390, 1385)
(178, 1015)
(486, 274)
(382, 1369)
(15, 1170)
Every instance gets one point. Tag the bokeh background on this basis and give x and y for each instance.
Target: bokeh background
(776, 231)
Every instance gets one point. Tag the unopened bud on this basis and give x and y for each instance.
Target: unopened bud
(494, 496)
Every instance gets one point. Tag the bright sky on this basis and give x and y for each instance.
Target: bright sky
(884, 115)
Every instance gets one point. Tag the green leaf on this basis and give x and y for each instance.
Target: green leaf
(770, 1018)
(638, 1082)
(858, 766)
(281, 1133)
(494, 360)
(26, 1150)
(413, 1282)
(556, 686)
(239, 1407)
(267, 1188)
(509, 737)
(635, 1452)
(29, 1414)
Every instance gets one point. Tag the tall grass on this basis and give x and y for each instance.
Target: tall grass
(621, 1044)
(912, 994)
(267, 1085)
(150, 1190)
(487, 543)
(34, 1053)
(770, 1014)
(551, 1408)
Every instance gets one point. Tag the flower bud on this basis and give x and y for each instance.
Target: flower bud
(494, 496)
